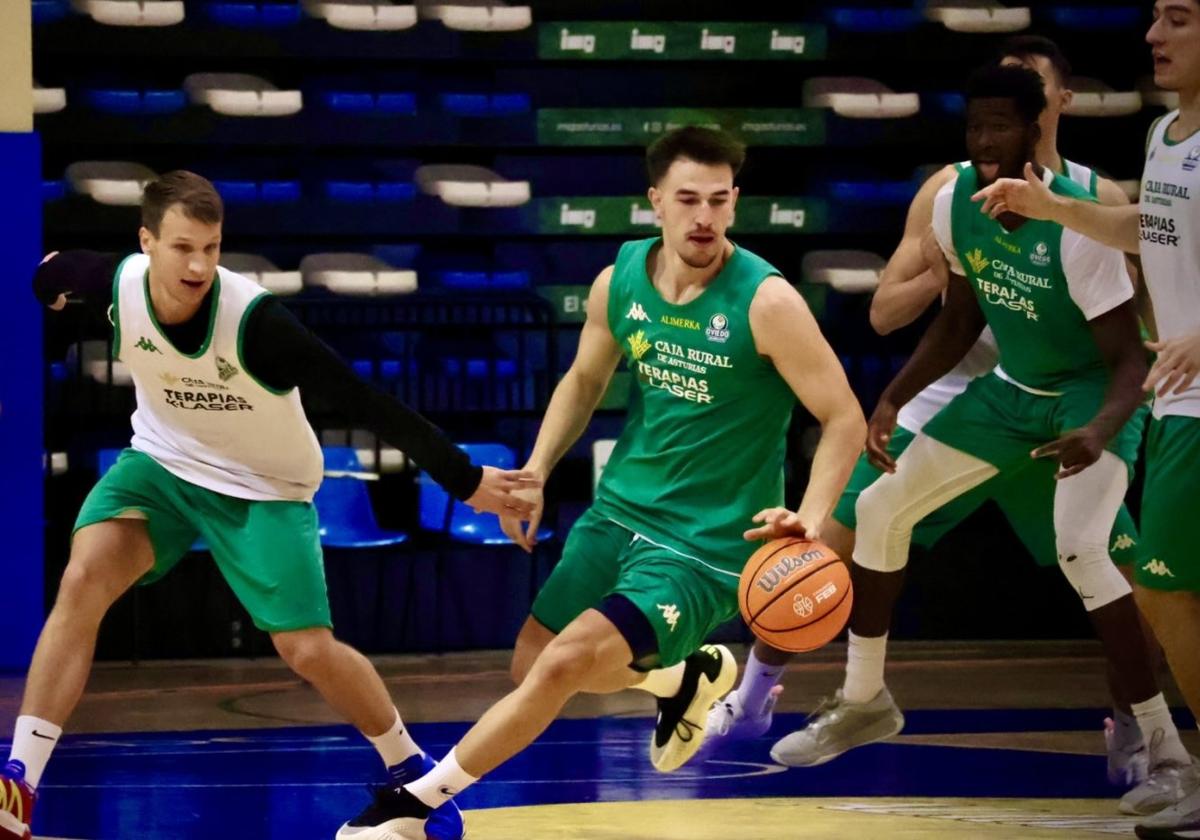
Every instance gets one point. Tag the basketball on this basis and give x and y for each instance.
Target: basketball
(795, 594)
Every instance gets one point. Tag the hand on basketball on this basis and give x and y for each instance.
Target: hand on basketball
(1075, 451)
(502, 492)
(1176, 367)
(778, 522)
(879, 434)
(1029, 197)
(511, 521)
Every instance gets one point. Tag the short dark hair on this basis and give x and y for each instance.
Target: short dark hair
(1020, 84)
(195, 195)
(692, 142)
(1030, 46)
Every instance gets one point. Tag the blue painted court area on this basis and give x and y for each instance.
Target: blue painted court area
(303, 782)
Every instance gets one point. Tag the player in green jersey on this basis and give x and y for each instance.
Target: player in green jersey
(721, 347)
(1066, 386)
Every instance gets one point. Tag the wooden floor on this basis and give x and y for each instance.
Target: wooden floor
(589, 778)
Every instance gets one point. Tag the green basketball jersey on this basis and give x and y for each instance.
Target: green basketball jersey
(1044, 339)
(703, 446)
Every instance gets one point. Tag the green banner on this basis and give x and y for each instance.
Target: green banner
(673, 41)
(633, 215)
(641, 126)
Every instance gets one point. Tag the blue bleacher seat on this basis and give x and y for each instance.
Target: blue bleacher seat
(135, 101)
(393, 103)
(440, 513)
(950, 102)
(53, 189)
(239, 191)
(873, 192)
(344, 506)
(486, 104)
(855, 19)
(48, 11)
(253, 15)
(401, 256)
(356, 191)
(1095, 17)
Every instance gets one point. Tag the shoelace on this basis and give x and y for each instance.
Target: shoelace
(827, 704)
(686, 730)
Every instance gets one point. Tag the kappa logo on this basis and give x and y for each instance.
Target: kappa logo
(718, 328)
(638, 344)
(637, 313)
(977, 260)
(1123, 542)
(146, 344)
(1158, 568)
(1192, 160)
(1040, 254)
(670, 614)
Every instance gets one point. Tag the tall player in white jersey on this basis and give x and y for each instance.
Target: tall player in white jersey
(1165, 229)
(907, 288)
(222, 449)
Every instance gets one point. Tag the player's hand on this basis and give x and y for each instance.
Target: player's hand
(524, 535)
(931, 250)
(1075, 451)
(1176, 367)
(779, 522)
(61, 301)
(879, 434)
(1029, 197)
(500, 492)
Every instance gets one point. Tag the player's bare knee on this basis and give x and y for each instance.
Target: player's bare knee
(564, 665)
(1091, 572)
(531, 641)
(304, 650)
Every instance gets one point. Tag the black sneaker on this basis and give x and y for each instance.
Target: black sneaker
(708, 675)
(395, 814)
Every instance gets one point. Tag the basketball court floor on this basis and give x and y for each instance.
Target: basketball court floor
(1003, 740)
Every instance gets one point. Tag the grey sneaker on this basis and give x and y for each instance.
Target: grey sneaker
(837, 726)
(1166, 785)
(1179, 820)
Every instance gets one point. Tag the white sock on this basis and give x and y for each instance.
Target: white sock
(395, 745)
(663, 682)
(864, 668)
(441, 783)
(33, 741)
(1154, 719)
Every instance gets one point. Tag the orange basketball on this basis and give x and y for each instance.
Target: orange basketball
(795, 594)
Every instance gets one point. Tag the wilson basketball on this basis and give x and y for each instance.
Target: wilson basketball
(795, 594)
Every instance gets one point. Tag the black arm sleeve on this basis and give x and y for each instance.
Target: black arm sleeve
(85, 274)
(280, 352)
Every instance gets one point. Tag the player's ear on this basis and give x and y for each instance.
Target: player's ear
(655, 195)
(145, 238)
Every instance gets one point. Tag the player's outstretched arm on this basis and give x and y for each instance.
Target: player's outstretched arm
(281, 353)
(907, 286)
(953, 332)
(786, 332)
(1115, 226)
(572, 404)
(1117, 336)
(76, 274)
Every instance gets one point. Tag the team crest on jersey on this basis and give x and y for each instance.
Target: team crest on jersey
(977, 260)
(718, 328)
(638, 345)
(225, 370)
(1192, 160)
(1040, 255)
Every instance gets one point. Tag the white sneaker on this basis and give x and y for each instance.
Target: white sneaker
(708, 674)
(837, 726)
(1127, 765)
(1181, 820)
(728, 721)
(1167, 784)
